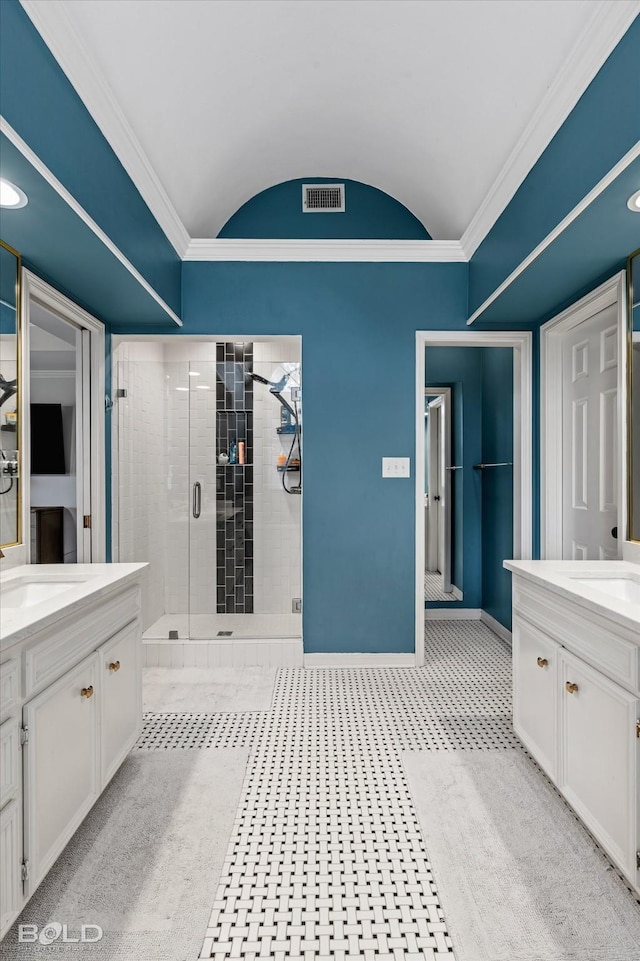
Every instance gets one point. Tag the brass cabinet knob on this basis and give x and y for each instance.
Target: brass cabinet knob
(87, 691)
(571, 688)
(542, 662)
(114, 666)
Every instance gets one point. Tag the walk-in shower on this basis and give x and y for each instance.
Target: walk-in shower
(207, 444)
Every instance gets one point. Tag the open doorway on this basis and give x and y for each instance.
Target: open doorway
(64, 490)
(485, 480)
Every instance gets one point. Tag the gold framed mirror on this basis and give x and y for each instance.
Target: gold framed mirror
(10, 395)
(633, 393)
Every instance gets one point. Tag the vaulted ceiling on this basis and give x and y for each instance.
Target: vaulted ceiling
(443, 104)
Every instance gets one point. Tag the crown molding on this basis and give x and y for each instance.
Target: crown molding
(329, 251)
(56, 28)
(69, 199)
(603, 32)
(586, 201)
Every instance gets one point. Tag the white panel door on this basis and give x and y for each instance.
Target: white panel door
(590, 432)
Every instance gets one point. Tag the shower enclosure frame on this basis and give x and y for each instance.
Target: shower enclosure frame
(290, 657)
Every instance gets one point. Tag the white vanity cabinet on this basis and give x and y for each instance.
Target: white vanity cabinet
(576, 691)
(71, 711)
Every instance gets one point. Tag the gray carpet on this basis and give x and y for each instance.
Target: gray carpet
(519, 879)
(145, 863)
(195, 690)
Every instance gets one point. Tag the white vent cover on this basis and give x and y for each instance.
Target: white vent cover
(323, 198)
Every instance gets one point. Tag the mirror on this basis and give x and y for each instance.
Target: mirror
(439, 493)
(10, 533)
(633, 287)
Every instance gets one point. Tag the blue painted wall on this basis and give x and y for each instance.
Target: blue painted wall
(600, 130)
(358, 324)
(369, 214)
(40, 103)
(497, 483)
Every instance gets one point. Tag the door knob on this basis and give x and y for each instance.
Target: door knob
(87, 691)
(542, 662)
(571, 688)
(114, 666)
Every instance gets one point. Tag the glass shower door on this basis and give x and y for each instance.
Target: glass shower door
(150, 418)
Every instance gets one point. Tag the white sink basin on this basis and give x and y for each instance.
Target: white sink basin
(31, 589)
(624, 587)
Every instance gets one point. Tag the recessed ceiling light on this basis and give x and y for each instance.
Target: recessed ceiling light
(11, 196)
(182, 388)
(202, 387)
(633, 203)
(194, 373)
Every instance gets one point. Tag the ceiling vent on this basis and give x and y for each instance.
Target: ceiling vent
(323, 198)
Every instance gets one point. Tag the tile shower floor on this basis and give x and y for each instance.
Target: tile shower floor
(433, 588)
(326, 859)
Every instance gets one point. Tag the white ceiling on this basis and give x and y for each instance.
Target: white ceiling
(425, 99)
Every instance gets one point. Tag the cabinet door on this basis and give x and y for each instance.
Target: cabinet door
(599, 757)
(10, 865)
(9, 759)
(61, 764)
(535, 693)
(120, 697)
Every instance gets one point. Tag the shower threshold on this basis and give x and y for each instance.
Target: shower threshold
(206, 627)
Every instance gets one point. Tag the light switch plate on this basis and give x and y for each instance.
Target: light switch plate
(396, 467)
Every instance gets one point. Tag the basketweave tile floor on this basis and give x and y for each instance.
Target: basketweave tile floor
(433, 588)
(326, 859)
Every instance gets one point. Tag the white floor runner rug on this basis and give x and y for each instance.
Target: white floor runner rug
(518, 877)
(146, 862)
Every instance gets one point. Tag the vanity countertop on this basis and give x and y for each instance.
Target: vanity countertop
(609, 588)
(35, 596)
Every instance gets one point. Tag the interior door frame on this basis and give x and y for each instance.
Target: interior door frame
(522, 343)
(613, 291)
(91, 473)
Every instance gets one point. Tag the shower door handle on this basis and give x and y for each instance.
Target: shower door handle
(197, 499)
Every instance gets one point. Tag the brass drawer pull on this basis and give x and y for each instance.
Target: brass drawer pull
(87, 691)
(542, 662)
(114, 666)
(571, 688)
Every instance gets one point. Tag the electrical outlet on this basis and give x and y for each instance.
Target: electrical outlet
(396, 467)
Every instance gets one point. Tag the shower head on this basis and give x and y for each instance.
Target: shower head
(7, 389)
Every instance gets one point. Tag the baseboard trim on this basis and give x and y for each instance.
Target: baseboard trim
(359, 660)
(457, 593)
(503, 633)
(261, 652)
(457, 614)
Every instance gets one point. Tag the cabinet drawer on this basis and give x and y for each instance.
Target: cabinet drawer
(120, 697)
(9, 687)
(535, 698)
(56, 650)
(9, 759)
(586, 633)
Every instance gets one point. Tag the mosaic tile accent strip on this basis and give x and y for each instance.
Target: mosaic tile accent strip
(234, 482)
